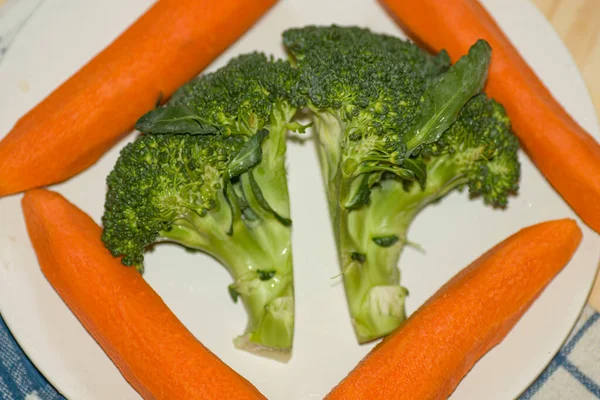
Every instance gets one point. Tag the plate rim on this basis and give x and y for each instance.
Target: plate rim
(29, 350)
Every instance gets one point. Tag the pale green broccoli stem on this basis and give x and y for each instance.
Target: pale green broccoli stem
(260, 262)
(270, 172)
(263, 279)
(330, 129)
(270, 304)
(375, 299)
(259, 257)
(370, 270)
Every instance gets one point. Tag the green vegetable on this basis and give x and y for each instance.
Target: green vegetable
(173, 119)
(446, 96)
(209, 174)
(478, 151)
(397, 129)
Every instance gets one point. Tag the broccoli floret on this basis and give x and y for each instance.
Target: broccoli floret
(478, 151)
(209, 173)
(365, 91)
(238, 99)
(166, 185)
(243, 97)
(379, 104)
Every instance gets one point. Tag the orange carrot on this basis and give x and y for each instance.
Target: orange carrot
(562, 150)
(427, 357)
(85, 116)
(157, 355)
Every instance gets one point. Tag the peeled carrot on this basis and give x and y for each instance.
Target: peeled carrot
(429, 355)
(153, 350)
(84, 117)
(567, 155)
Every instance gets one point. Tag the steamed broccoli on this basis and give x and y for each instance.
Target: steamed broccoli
(209, 173)
(389, 143)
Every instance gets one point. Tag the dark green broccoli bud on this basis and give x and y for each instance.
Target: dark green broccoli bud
(376, 99)
(250, 94)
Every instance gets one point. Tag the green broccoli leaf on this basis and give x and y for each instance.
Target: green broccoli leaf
(446, 96)
(356, 256)
(359, 193)
(260, 198)
(249, 155)
(173, 119)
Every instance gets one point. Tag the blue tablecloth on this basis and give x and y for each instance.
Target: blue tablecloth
(19, 379)
(574, 374)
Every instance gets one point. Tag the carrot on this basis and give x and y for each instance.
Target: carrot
(562, 150)
(85, 116)
(153, 350)
(428, 356)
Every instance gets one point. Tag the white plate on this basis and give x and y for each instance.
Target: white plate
(63, 34)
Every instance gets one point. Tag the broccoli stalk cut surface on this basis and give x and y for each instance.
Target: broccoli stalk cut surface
(209, 173)
(381, 108)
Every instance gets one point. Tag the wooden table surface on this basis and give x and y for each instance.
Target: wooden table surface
(578, 24)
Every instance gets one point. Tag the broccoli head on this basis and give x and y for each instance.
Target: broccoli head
(379, 105)
(479, 152)
(239, 99)
(208, 172)
(162, 185)
(365, 90)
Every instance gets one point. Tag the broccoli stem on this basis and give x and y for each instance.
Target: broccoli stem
(329, 128)
(371, 241)
(270, 172)
(371, 276)
(260, 262)
(261, 265)
(268, 302)
(370, 269)
(260, 257)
